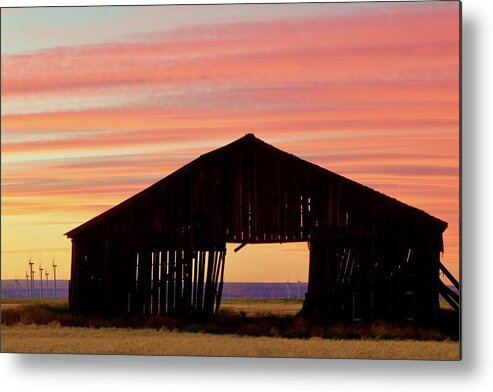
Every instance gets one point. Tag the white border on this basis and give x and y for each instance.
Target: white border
(473, 373)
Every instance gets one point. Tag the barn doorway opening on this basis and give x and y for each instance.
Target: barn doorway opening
(266, 271)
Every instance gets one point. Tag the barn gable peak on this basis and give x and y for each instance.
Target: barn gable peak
(241, 152)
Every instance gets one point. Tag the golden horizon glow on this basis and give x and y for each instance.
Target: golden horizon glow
(368, 91)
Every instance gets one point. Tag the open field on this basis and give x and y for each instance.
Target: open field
(275, 307)
(264, 328)
(262, 307)
(11, 303)
(250, 307)
(55, 339)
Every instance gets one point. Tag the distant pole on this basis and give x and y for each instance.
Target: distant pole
(41, 269)
(32, 277)
(54, 278)
(46, 275)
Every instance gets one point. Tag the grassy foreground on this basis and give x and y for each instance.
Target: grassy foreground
(243, 328)
(55, 339)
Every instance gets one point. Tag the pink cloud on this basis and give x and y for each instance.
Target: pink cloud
(254, 52)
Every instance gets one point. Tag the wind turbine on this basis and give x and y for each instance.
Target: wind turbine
(41, 269)
(27, 284)
(31, 263)
(54, 276)
(17, 286)
(47, 274)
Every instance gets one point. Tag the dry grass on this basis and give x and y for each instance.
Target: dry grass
(56, 339)
(263, 328)
(12, 303)
(247, 307)
(262, 307)
(10, 306)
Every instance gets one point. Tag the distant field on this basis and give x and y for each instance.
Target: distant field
(55, 339)
(277, 307)
(250, 307)
(254, 307)
(9, 303)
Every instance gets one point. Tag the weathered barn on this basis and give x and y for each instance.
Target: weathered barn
(163, 250)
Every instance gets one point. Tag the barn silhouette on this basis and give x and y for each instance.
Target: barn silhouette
(163, 251)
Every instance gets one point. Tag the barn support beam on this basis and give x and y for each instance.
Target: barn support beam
(239, 247)
(317, 302)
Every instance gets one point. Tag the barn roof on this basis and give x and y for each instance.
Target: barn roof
(250, 141)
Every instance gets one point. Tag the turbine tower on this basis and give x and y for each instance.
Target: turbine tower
(54, 277)
(27, 285)
(41, 269)
(31, 263)
(46, 275)
(17, 286)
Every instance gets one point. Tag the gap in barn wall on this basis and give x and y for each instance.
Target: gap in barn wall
(267, 263)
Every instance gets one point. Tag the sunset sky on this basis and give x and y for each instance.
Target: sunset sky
(101, 102)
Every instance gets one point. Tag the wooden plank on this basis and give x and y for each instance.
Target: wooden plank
(162, 282)
(187, 282)
(145, 259)
(238, 248)
(208, 298)
(216, 268)
(120, 297)
(155, 283)
(200, 285)
(194, 281)
(449, 276)
(140, 284)
(171, 283)
(215, 278)
(253, 196)
(178, 282)
(73, 292)
(237, 207)
(220, 290)
(76, 280)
